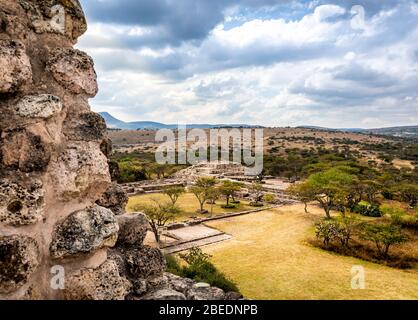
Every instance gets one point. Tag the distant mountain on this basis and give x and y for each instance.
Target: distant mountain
(113, 123)
(402, 131)
(332, 129)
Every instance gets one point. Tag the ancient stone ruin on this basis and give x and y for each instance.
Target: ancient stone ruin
(63, 231)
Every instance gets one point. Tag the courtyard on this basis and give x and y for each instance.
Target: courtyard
(268, 257)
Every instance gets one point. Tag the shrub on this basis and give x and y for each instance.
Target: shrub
(394, 214)
(366, 209)
(398, 216)
(256, 204)
(326, 230)
(200, 269)
(269, 198)
(388, 194)
(347, 226)
(228, 206)
(341, 229)
(173, 266)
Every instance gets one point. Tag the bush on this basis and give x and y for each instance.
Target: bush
(173, 266)
(398, 216)
(200, 269)
(392, 213)
(341, 229)
(269, 198)
(256, 204)
(326, 230)
(228, 206)
(388, 194)
(366, 209)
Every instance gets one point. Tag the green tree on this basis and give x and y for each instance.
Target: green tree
(228, 189)
(330, 188)
(202, 190)
(371, 188)
(213, 195)
(302, 192)
(347, 227)
(158, 214)
(174, 193)
(384, 236)
(409, 194)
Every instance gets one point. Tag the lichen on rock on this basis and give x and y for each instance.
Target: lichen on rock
(39, 106)
(84, 232)
(19, 258)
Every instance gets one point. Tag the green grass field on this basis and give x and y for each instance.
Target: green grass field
(269, 258)
(188, 205)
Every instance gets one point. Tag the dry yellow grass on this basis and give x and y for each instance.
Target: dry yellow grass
(269, 259)
(187, 203)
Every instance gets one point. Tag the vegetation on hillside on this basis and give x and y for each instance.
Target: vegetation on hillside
(199, 268)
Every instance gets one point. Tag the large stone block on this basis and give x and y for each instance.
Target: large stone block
(133, 229)
(116, 199)
(39, 106)
(21, 205)
(15, 67)
(23, 150)
(103, 283)
(74, 70)
(85, 127)
(145, 262)
(19, 258)
(84, 232)
(81, 171)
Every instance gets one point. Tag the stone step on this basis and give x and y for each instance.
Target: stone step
(196, 243)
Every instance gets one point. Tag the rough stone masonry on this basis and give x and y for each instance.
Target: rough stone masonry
(63, 231)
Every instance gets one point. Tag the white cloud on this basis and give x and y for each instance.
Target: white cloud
(314, 69)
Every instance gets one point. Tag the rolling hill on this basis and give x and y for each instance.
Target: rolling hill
(114, 123)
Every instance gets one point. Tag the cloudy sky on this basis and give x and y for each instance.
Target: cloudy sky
(270, 62)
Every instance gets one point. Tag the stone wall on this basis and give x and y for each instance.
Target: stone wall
(63, 230)
(54, 166)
